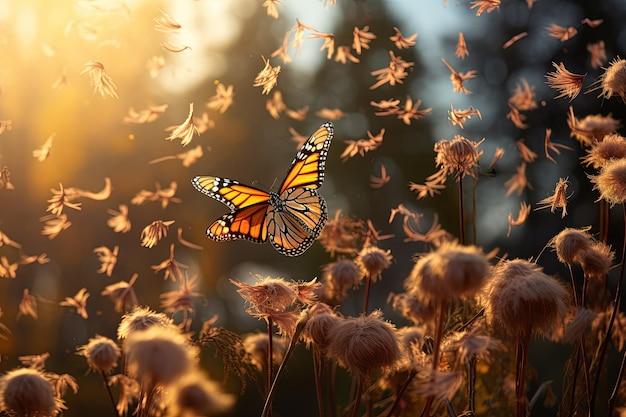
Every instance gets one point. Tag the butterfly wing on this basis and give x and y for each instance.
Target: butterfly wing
(248, 223)
(294, 227)
(230, 192)
(307, 168)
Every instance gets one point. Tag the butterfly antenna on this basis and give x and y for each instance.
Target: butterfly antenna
(264, 186)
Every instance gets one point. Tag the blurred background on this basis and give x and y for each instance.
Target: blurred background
(44, 47)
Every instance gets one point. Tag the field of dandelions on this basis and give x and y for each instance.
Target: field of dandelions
(472, 261)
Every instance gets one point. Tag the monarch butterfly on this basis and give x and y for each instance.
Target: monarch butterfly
(292, 218)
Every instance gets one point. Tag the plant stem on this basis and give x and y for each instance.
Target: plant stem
(368, 282)
(357, 398)
(521, 358)
(607, 336)
(461, 214)
(400, 392)
(437, 346)
(106, 384)
(318, 369)
(270, 365)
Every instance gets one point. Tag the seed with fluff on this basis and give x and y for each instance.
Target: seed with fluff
(159, 355)
(101, 352)
(523, 299)
(196, 395)
(141, 318)
(570, 243)
(613, 81)
(26, 392)
(363, 344)
(611, 181)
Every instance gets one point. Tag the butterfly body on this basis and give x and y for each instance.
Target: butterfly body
(292, 218)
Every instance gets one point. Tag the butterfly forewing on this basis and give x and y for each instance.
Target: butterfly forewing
(230, 192)
(307, 206)
(307, 168)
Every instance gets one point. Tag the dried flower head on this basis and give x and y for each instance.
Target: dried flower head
(565, 82)
(343, 234)
(139, 319)
(459, 155)
(452, 271)
(185, 130)
(101, 353)
(322, 318)
(569, 244)
(159, 355)
(412, 307)
(122, 294)
(458, 78)
(196, 395)
(374, 260)
(28, 392)
(613, 146)
(592, 128)
(361, 38)
(101, 82)
(155, 231)
(613, 81)
(523, 299)
(339, 278)
(611, 181)
(363, 344)
(268, 77)
(597, 260)
(558, 199)
(256, 345)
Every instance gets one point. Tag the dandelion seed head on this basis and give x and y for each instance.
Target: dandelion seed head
(141, 318)
(363, 344)
(101, 353)
(523, 299)
(159, 355)
(374, 260)
(196, 395)
(29, 393)
(611, 181)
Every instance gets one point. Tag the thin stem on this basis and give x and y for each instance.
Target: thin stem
(357, 398)
(437, 346)
(318, 369)
(617, 300)
(521, 358)
(471, 385)
(270, 364)
(400, 393)
(106, 384)
(607, 336)
(461, 214)
(368, 283)
(332, 375)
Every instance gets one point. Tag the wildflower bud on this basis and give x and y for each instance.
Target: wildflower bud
(27, 392)
(523, 299)
(570, 243)
(363, 344)
(141, 318)
(196, 395)
(611, 181)
(101, 352)
(159, 355)
(373, 260)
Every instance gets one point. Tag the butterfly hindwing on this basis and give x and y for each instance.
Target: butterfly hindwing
(230, 192)
(248, 223)
(307, 168)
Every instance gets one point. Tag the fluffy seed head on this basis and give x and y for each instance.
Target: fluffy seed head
(459, 155)
(267, 295)
(412, 308)
(339, 278)
(321, 319)
(256, 344)
(101, 352)
(611, 181)
(593, 128)
(141, 318)
(196, 395)
(613, 81)
(570, 243)
(27, 392)
(523, 299)
(373, 260)
(611, 147)
(363, 344)
(597, 260)
(452, 271)
(159, 355)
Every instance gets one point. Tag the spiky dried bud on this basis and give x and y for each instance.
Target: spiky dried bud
(570, 243)
(611, 181)
(374, 260)
(613, 146)
(141, 318)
